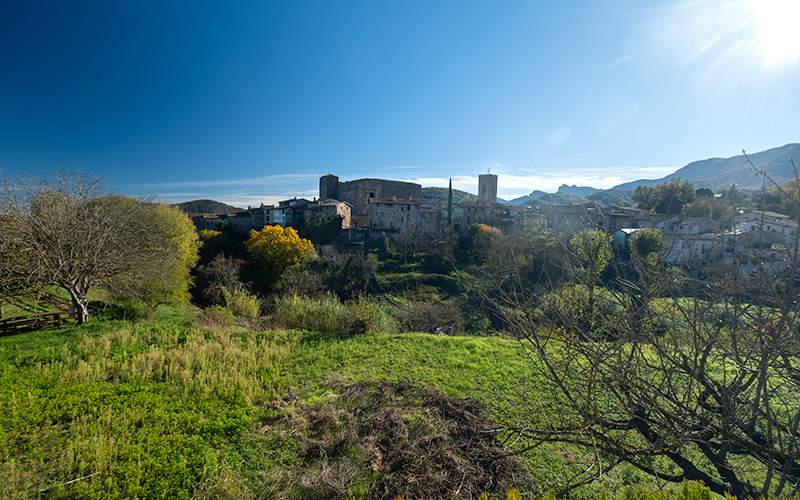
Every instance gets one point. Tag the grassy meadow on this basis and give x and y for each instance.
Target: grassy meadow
(120, 409)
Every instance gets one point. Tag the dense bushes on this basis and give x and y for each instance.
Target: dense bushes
(328, 315)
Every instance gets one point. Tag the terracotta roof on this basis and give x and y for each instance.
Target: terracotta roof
(359, 221)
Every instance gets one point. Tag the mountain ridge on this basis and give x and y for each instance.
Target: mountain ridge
(720, 173)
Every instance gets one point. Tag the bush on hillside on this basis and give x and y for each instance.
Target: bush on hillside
(215, 317)
(241, 302)
(327, 314)
(444, 317)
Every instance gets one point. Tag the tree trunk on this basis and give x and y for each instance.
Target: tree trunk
(80, 302)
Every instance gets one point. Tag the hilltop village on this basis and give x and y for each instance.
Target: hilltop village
(379, 208)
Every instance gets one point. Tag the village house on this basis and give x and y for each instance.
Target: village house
(767, 228)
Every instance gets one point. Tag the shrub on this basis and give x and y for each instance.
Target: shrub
(434, 317)
(216, 317)
(366, 315)
(241, 302)
(327, 315)
(323, 314)
(576, 308)
(129, 309)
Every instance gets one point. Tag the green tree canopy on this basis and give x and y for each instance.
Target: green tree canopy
(174, 252)
(591, 251)
(66, 230)
(666, 198)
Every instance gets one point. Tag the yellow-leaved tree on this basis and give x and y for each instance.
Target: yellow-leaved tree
(171, 252)
(275, 249)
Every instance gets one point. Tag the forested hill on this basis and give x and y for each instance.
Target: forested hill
(440, 193)
(206, 207)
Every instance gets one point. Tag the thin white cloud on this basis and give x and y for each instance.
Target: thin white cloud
(512, 182)
(551, 160)
(619, 61)
(267, 179)
(618, 119)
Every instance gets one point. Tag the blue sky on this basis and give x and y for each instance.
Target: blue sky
(252, 102)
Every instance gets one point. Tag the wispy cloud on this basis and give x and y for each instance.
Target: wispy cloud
(513, 181)
(619, 61)
(552, 160)
(620, 117)
(237, 192)
(267, 179)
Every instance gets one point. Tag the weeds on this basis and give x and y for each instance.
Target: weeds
(241, 302)
(327, 314)
(136, 412)
(215, 317)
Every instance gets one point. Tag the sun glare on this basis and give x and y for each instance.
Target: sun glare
(778, 33)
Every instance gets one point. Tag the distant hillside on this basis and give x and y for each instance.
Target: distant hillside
(541, 198)
(719, 173)
(582, 191)
(207, 207)
(570, 194)
(565, 194)
(526, 200)
(440, 193)
(558, 199)
(612, 198)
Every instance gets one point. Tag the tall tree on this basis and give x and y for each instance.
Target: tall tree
(591, 251)
(72, 233)
(173, 252)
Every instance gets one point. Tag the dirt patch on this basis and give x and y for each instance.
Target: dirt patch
(382, 440)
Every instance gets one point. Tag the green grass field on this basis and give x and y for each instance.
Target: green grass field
(117, 409)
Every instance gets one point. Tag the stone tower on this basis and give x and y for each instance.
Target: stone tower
(328, 187)
(487, 189)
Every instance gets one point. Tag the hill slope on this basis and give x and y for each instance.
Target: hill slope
(206, 206)
(440, 193)
(719, 173)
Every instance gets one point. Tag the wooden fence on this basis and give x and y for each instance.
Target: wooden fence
(18, 324)
(38, 318)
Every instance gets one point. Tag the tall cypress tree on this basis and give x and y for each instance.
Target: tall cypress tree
(450, 204)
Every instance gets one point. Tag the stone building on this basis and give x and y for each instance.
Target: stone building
(487, 189)
(392, 213)
(358, 192)
(333, 207)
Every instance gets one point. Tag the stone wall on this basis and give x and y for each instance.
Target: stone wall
(358, 192)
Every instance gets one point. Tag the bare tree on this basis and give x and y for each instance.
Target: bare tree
(67, 230)
(694, 379)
